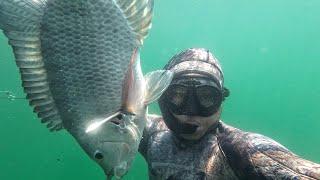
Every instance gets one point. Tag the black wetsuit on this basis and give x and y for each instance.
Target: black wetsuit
(223, 153)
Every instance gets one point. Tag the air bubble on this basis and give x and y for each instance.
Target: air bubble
(7, 95)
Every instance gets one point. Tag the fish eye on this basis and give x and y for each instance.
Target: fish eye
(98, 155)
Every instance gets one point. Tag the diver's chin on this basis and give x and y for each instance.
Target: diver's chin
(200, 131)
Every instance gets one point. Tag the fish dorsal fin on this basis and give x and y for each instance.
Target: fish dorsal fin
(156, 83)
(139, 16)
(20, 22)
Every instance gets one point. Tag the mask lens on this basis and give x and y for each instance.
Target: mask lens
(205, 96)
(177, 94)
(208, 96)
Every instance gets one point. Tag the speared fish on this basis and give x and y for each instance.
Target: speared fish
(80, 68)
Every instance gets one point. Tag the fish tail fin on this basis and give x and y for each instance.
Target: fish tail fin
(20, 21)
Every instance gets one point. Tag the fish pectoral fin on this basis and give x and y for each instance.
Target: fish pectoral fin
(156, 83)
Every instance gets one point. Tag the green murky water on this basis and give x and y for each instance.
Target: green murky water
(270, 52)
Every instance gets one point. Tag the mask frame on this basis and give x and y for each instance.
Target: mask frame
(194, 96)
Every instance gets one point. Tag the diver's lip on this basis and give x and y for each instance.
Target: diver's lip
(186, 120)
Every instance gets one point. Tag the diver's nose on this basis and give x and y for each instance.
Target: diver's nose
(191, 106)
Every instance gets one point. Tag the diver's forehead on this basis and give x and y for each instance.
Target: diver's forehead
(189, 79)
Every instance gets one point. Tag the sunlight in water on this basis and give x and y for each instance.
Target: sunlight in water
(93, 126)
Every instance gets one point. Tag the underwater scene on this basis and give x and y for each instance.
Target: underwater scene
(269, 51)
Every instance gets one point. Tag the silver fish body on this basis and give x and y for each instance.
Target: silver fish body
(79, 64)
(87, 46)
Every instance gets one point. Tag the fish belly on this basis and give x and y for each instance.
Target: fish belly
(87, 46)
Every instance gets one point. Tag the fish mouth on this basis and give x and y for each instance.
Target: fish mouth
(118, 171)
(117, 157)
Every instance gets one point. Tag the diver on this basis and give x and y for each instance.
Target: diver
(190, 142)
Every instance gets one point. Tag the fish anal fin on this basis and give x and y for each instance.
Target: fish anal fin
(20, 21)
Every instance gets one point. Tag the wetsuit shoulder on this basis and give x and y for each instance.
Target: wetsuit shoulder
(154, 124)
(254, 156)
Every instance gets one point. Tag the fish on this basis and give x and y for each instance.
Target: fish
(79, 63)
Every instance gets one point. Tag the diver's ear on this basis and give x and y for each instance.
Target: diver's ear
(156, 83)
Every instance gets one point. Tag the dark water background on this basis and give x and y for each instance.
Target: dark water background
(270, 52)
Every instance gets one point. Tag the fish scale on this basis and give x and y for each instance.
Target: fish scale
(84, 60)
(74, 54)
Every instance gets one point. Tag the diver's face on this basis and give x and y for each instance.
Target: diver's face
(195, 103)
(202, 124)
